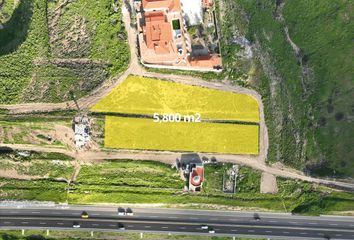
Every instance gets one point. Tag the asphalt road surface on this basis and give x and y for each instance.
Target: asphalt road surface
(177, 221)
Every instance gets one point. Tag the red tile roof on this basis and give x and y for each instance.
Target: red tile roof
(157, 32)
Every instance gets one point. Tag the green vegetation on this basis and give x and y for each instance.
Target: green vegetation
(6, 9)
(61, 57)
(152, 182)
(70, 235)
(309, 107)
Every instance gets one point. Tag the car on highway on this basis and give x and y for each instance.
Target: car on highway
(76, 225)
(211, 230)
(205, 227)
(256, 217)
(121, 211)
(129, 212)
(84, 214)
(121, 226)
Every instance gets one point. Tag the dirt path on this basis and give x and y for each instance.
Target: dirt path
(170, 158)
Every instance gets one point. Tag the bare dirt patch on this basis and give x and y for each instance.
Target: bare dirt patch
(268, 183)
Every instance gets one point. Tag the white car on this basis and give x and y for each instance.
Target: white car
(205, 227)
(121, 211)
(211, 230)
(121, 227)
(129, 212)
(76, 225)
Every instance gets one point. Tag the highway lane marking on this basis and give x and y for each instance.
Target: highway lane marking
(268, 231)
(338, 235)
(173, 217)
(95, 214)
(234, 230)
(112, 225)
(7, 222)
(312, 223)
(194, 218)
(24, 222)
(95, 224)
(36, 212)
(273, 221)
(165, 227)
(303, 233)
(333, 224)
(250, 230)
(286, 232)
(214, 219)
(128, 225)
(14, 212)
(153, 216)
(147, 226)
(42, 223)
(352, 225)
(293, 222)
(182, 228)
(60, 223)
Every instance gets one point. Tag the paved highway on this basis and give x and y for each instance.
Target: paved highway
(225, 223)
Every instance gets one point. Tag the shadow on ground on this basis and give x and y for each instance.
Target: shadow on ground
(15, 31)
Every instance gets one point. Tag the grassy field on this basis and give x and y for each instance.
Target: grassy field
(307, 95)
(153, 182)
(50, 53)
(139, 95)
(140, 133)
(32, 130)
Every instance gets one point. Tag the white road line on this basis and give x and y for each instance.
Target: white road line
(24, 222)
(95, 224)
(234, 230)
(268, 231)
(273, 221)
(95, 214)
(173, 217)
(60, 223)
(130, 225)
(147, 226)
(73, 213)
(112, 225)
(13, 212)
(7, 222)
(303, 233)
(313, 223)
(286, 232)
(333, 224)
(250, 230)
(35, 212)
(216, 229)
(42, 223)
(293, 222)
(154, 216)
(338, 235)
(182, 228)
(214, 219)
(194, 218)
(164, 227)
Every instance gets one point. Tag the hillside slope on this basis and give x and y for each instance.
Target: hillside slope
(304, 51)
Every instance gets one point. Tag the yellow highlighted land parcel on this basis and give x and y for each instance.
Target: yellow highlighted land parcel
(140, 95)
(142, 133)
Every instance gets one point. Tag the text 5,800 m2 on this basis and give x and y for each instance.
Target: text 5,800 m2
(176, 117)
